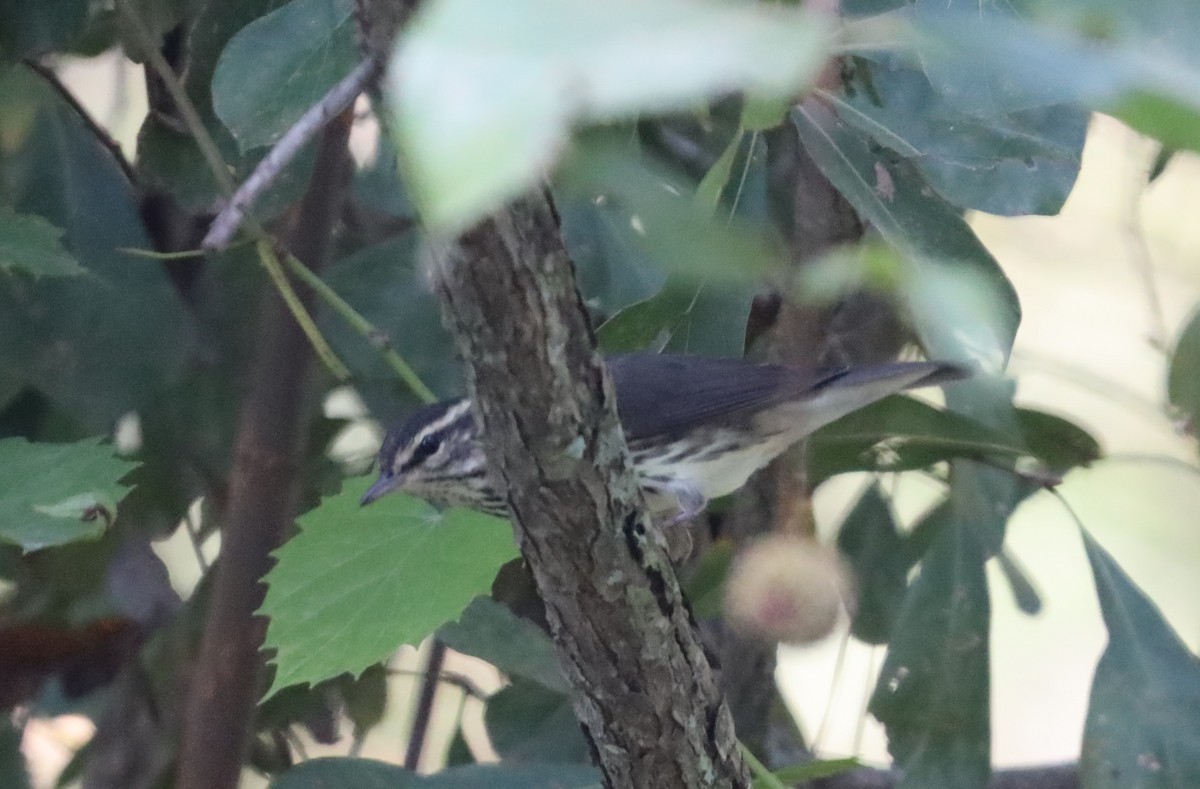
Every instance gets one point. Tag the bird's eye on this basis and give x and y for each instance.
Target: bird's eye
(428, 445)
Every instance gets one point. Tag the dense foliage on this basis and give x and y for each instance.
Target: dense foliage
(122, 370)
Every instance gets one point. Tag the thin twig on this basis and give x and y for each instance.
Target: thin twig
(1143, 262)
(183, 102)
(99, 132)
(356, 321)
(424, 713)
(197, 545)
(762, 776)
(339, 97)
(274, 268)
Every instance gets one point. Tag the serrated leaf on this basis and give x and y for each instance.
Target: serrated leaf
(52, 494)
(33, 245)
(870, 540)
(102, 345)
(492, 632)
(932, 693)
(357, 582)
(281, 64)
(354, 773)
(1144, 709)
(483, 96)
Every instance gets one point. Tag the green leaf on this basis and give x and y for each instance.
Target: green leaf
(1183, 380)
(281, 64)
(629, 222)
(810, 771)
(108, 343)
(353, 773)
(685, 316)
(356, 583)
(518, 76)
(708, 193)
(959, 298)
(705, 583)
(901, 433)
(32, 29)
(13, 772)
(167, 156)
(52, 494)
(528, 723)
(871, 542)
(1144, 710)
(1023, 162)
(932, 693)
(31, 244)
(1057, 442)
(385, 284)
(1140, 70)
(490, 631)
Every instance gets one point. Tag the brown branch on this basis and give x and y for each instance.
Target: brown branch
(334, 102)
(97, 131)
(424, 713)
(261, 504)
(644, 691)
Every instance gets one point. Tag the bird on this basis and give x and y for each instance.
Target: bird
(697, 428)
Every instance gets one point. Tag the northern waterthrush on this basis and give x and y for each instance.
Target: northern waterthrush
(697, 428)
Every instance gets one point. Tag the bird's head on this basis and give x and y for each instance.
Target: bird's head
(434, 454)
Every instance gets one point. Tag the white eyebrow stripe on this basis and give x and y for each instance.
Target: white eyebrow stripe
(452, 415)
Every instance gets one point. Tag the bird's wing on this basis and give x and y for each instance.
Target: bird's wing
(662, 394)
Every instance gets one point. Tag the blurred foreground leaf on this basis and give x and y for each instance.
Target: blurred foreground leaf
(484, 95)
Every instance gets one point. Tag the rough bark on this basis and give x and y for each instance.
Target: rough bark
(261, 504)
(644, 692)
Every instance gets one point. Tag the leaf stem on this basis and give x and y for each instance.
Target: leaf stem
(379, 340)
(763, 778)
(270, 262)
(216, 164)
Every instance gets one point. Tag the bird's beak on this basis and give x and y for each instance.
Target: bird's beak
(382, 486)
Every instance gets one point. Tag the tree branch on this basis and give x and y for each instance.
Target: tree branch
(261, 503)
(644, 690)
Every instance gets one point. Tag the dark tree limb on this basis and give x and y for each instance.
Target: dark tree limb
(430, 680)
(261, 503)
(644, 691)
